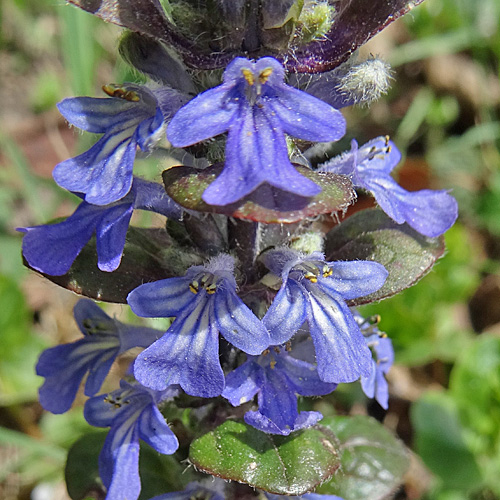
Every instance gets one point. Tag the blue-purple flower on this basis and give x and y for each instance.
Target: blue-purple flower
(204, 303)
(375, 385)
(429, 212)
(276, 377)
(132, 414)
(257, 109)
(64, 366)
(52, 248)
(133, 116)
(315, 291)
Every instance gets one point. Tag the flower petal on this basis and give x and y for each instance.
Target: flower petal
(256, 152)
(243, 383)
(277, 405)
(154, 430)
(306, 117)
(119, 461)
(63, 367)
(98, 115)
(286, 313)
(152, 196)
(104, 172)
(51, 249)
(341, 350)
(110, 234)
(188, 354)
(238, 324)
(86, 309)
(431, 213)
(207, 115)
(161, 299)
(303, 377)
(353, 279)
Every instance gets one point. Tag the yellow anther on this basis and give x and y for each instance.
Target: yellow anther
(277, 350)
(272, 364)
(327, 271)
(288, 346)
(194, 287)
(211, 289)
(248, 75)
(311, 277)
(389, 149)
(387, 140)
(265, 352)
(116, 91)
(265, 74)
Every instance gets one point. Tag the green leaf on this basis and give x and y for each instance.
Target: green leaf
(82, 470)
(291, 465)
(372, 235)
(439, 441)
(159, 473)
(373, 461)
(266, 204)
(140, 263)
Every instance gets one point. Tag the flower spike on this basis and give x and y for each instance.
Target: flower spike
(257, 109)
(204, 303)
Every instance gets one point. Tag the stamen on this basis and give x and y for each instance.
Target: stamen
(114, 90)
(265, 74)
(248, 75)
(265, 352)
(211, 289)
(388, 149)
(272, 364)
(327, 271)
(288, 346)
(313, 278)
(194, 287)
(277, 350)
(387, 140)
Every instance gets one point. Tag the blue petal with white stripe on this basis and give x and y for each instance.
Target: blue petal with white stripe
(341, 352)
(131, 118)
(257, 109)
(204, 303)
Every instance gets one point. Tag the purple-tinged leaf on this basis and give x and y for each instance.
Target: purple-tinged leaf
(372, 235)
(266, 204)
(355, 22)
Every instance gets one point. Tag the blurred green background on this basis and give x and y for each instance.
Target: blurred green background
(442, 112)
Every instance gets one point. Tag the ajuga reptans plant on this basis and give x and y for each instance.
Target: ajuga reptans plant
(257, 265)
